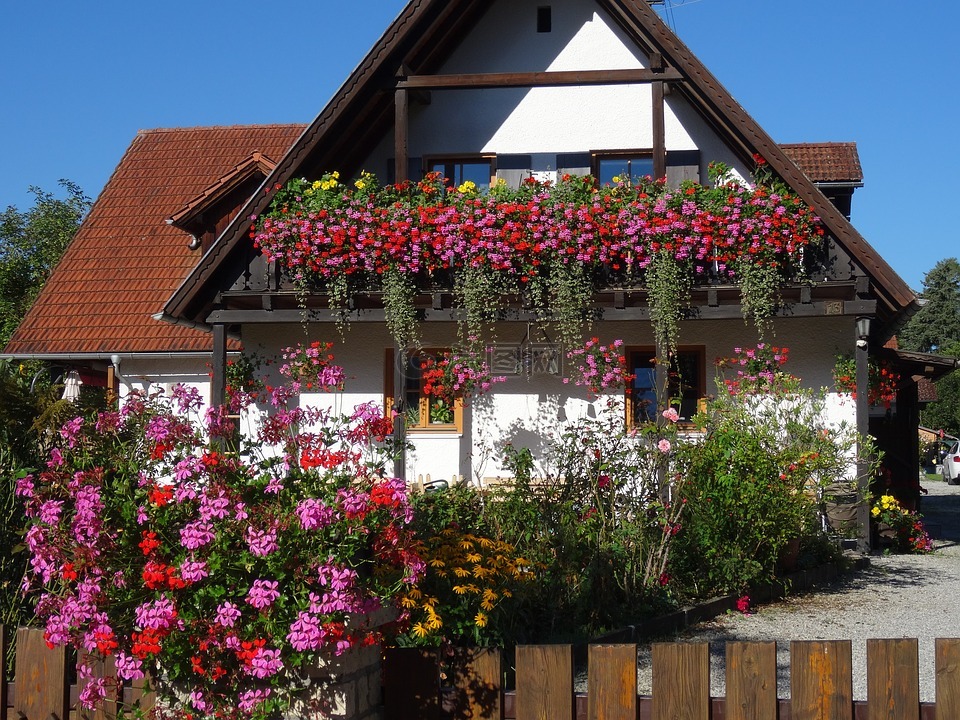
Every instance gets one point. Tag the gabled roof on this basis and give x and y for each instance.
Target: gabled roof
(833, 162)
(125, 260)
(421, 38)
(256, 163)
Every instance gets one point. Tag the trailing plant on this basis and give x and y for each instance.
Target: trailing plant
(882, 380)
(548, 242)
(668, 290)
(223, 572)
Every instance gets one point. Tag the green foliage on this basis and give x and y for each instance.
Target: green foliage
(31, 244)
(945, 412)
(757, 479)
(936, 325)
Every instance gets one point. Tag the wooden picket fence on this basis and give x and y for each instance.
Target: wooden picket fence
(472, 685)
(821, 683)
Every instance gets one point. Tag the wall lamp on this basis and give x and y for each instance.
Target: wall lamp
(863, 331)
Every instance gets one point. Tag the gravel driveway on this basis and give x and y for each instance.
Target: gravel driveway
(897, 596)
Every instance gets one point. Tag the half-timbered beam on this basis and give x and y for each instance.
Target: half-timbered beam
(609, 313)
(468, 81)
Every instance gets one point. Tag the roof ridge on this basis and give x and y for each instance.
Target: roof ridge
(252, 126)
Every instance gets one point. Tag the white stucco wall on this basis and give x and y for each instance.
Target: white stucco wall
(147, 373)
(527, 411)
(548, 121)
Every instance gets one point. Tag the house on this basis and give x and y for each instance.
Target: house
(487, 92)
(172, 193)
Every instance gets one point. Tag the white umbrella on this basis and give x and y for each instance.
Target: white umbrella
(71, 386)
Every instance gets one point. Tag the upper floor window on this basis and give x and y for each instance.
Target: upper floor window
(630, 166)
(686, 385)
(458, 170)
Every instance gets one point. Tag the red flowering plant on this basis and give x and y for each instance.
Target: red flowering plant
(221, 572)
(456, 375)
(882, 382)
(551, 242)
(599, 367)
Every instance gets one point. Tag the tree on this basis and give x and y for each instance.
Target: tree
(937, 324)
(945, 412)
(936, 328)
(31, 244)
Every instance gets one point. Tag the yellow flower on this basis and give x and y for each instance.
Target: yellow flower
(408, 602)
(316, 185)
(461, 572)
(460, 589)
(480, 619)
(472, 557)
(875, 511)
(468, 186)
(436, 562)
(616, 179)
(434, 623)
(420, 631)
(359, 184)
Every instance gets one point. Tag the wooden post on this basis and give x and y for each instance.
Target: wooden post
(400, 360)
(821, 680)
(401, 130)
(681, 680)
(41, 673)
(863, 428)
(659, 122)
(545, 682)
(948, 678)
(218, 383)
(612, 682)
(751, 680)
(893, 679)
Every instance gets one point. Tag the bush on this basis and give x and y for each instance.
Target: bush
(758, 477)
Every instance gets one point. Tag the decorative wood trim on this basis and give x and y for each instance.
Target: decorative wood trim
(475, 81)
(401, 136)
(509, 314)
(659, 133)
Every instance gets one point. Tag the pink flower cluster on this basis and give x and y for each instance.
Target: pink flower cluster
(421, 230)
(599, 367)
(211, 568)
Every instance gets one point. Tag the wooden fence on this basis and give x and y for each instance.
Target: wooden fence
(820, 683)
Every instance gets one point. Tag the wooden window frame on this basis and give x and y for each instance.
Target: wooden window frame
(701, 380)
(424, 426)
(596, 156)
(479, 158)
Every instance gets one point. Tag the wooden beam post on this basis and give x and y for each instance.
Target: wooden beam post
(400, 362)
(218, 383)
(401, 131)
(659, 132)
(862, 355)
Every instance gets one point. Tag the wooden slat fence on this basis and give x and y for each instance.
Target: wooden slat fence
(45, 686)
(821, 683)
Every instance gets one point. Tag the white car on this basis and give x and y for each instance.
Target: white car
(951, 465)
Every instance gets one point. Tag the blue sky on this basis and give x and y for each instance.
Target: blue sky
(78, 80)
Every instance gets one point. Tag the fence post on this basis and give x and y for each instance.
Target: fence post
(681, 680)
(893, 679)
(41, 675)
(948, 678)
(821, 680)
(4, 690)
(411, 684)
(545, 682)
(477, 683)
(612, 682)
(751, 681)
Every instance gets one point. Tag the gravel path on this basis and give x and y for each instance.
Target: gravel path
(897, 596)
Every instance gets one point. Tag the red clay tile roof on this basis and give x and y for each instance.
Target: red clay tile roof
(125, 260)
(826, 162)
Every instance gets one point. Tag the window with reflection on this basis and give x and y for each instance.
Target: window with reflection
(686, 382)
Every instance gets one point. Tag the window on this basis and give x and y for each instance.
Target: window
(544, 19)
(422, 411)
(630, 166)
(477, 170)
(686, 383)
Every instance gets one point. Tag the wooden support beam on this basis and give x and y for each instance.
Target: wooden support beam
(401, 135)
(659, 132)
(218, 383)
(475, 81)
(606, 313)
